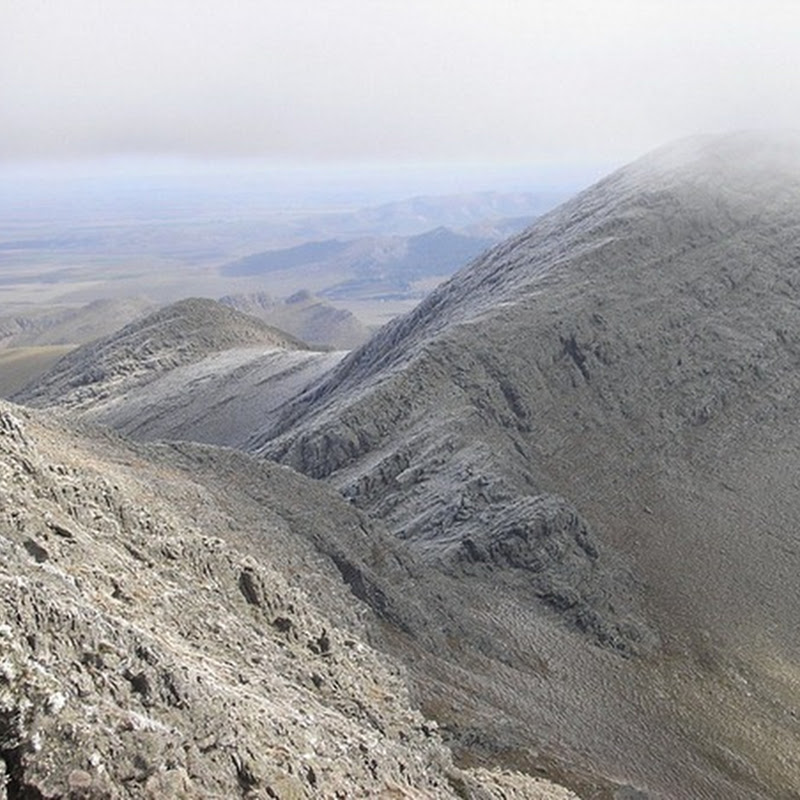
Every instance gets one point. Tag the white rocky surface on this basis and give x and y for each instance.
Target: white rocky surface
(635, 353)
(180, 334)
(219, 399)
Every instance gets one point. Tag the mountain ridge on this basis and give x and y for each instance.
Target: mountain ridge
(585, 447)
(174, 336)
(635, 351)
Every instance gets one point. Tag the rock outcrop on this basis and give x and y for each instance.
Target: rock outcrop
(635, 352)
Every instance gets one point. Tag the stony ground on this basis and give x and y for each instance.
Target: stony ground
(152, 646)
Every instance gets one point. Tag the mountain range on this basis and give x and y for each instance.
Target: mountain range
(372, 267)
(573, 470)
(175, 623)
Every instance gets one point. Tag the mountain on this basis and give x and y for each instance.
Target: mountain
(569, 486)
(418, 214)
(69, 325)
(370, 267)
(175, 336)
(429, 256)
(624, 370)
(309, 318)
(197, 370)
(32, 338)
(175, 622)
(218, 399)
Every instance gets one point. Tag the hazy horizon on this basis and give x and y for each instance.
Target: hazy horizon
(385, 82)
(144, 144)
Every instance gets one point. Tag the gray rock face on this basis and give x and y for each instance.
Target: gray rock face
(157, 642)
(196, 370)
(218, 399)
(542, 543)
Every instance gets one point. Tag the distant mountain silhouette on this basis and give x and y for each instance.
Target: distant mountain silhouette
(370, 267)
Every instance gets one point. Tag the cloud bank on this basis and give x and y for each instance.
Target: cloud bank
(493, 80)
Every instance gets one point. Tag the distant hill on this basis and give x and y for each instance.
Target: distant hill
(70, 325)
(370, 267)
(418, 214)
(305, 316)
(289, 258)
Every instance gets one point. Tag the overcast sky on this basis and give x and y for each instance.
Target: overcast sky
(389, 80)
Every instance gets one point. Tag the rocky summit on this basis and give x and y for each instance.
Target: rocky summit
(557, 498)
(180, 334)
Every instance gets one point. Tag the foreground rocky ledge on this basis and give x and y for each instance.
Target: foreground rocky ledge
(151, 646)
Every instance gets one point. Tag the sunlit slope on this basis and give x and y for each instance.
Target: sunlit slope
(174, 623)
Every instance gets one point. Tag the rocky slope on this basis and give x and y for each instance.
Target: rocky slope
(585, 446)
(649, 319)
(197, 370)
(305, 316)
(180, 334)
(164, 634)
(218, 399)
(635, 351)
